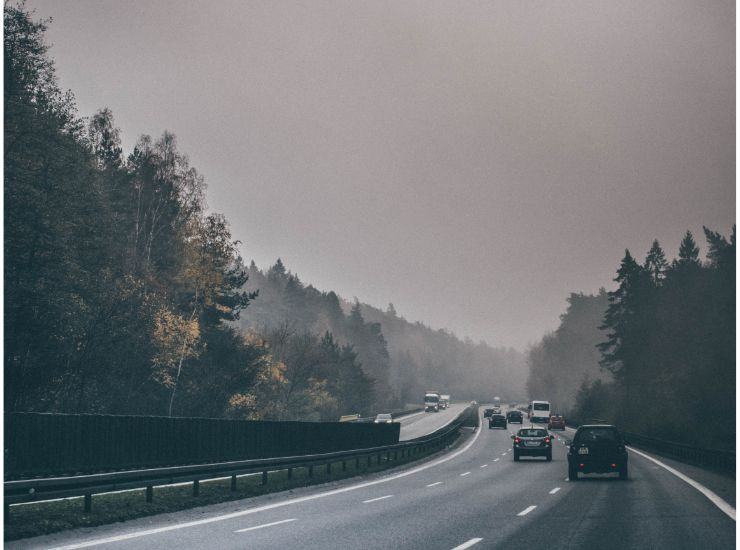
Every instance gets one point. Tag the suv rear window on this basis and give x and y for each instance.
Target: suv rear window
(597, 435)
(529, 432)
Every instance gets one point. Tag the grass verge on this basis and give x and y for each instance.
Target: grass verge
(41, 518)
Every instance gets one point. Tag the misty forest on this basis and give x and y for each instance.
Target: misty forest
(126, 295)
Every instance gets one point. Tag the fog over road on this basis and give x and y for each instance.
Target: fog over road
(474, 491)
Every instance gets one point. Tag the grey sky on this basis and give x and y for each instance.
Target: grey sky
(472, 162)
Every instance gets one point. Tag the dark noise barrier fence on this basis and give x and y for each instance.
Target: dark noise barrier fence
(42, 444)
(29, 490)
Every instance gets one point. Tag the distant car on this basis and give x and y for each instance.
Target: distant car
(597, 448)
(556, 422)
(487, 413)
(496, 410)
(514, 417)
(384, 418)
(532, 442)
(497, 421)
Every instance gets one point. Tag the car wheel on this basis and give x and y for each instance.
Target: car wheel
(572, 473)
(549, 456)
(516, 456)
(623, 473)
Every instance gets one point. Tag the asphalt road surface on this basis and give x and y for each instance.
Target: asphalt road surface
(418, 424)
(473, 494)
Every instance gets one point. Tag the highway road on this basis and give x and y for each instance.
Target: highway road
(418, 424)
(473, 494)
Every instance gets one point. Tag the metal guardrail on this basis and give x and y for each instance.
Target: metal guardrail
(29, 490)
(718, 459)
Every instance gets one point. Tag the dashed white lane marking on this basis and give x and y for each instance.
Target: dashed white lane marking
(484, 465)
(555, 490)
(496, 459)
(376, 499)
(527, 510)
(463, 475)
(566, 479)
(231, 515)
(264, 525)
(467, 544)
(504, 454)
(435, 484)
(711, 495)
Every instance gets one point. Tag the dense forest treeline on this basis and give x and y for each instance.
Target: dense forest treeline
(404, 358)
(656, 355)
(123, 294)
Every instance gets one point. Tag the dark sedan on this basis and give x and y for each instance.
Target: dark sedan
(497, 421)
(532, 442)
(597, 448)
(514, 417)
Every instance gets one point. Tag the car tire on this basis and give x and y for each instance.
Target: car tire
(516, 456)
(549, 456)
(623, 473)
(572, 473)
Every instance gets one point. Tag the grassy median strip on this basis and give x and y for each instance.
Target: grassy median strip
(33, 519)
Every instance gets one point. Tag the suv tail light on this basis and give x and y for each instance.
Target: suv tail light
(547, 440)
(517, 440)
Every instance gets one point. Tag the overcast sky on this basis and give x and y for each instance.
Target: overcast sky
(471, 162)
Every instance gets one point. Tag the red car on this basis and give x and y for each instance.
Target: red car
(556, 421)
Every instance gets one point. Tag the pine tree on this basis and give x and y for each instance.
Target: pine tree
(656, 264)
(688, 252)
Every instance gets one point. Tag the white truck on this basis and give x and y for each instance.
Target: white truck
(444, 400)
(431, 401)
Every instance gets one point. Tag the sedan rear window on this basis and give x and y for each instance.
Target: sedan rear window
(529, 432)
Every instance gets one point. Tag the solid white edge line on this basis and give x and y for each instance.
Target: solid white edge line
(137, 534)
(555, 490)
(376, 499)
(435, 484)
(265, 525)
(713, 497)
(467, 544)
(527, 510)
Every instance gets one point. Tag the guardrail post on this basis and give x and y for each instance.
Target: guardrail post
(6, 512)
(149, 493)
(233, 483)
(328, 468)
(196, 488)
(344, 465)
(88, 503)
(369, 460)
(310, 471)
(290, 473)
(264, 477)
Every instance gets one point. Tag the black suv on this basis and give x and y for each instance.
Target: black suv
(514, 417)
(597, 448)
(532, 442)
(497, 420)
